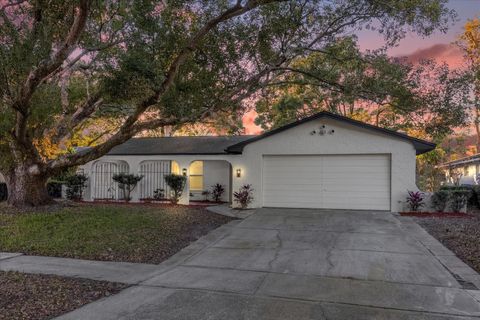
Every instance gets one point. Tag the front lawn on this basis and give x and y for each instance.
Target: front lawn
(31, 296)
(460, 235)
(110, 232)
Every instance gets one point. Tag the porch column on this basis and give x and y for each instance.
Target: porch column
(185, 165)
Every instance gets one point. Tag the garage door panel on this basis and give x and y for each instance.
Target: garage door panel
(325, 181)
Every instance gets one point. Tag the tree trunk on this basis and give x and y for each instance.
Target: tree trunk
(26, 189)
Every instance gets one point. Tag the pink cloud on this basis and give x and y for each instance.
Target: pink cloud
(441, 52)
(249, 123)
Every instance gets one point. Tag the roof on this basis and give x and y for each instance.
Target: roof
(461, 161)
(202, 145)
(205, 145)
(421, 146)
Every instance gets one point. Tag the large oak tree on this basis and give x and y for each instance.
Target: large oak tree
(148, 64)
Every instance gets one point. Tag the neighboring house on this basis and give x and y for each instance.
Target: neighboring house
(323, 161)
(462, 171)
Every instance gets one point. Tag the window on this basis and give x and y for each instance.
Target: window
(196, 176)
(175, 168)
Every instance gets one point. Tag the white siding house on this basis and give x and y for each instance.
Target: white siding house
(466, 170)
(324, 161)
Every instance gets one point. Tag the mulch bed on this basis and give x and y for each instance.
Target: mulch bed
(31, 296)
(436, 214)
(460, 235)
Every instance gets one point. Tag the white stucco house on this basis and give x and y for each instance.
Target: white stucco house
(466, 170)
(323, 161)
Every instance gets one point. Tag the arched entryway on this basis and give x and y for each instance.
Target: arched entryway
(204, 175)
(103, 186)
(153, 186)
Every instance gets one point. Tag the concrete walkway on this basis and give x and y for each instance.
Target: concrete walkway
(296, 264)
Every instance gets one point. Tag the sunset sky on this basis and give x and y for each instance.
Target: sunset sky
(438, 46)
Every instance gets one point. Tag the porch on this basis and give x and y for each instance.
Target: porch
(202, 175)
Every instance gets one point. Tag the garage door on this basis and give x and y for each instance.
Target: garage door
(329, 181)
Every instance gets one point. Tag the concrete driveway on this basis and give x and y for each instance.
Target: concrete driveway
(302, 264)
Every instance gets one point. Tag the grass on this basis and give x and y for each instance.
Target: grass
(134, 233)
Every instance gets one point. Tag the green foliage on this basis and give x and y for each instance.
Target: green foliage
(429, 176)
(176, 183)
(159, 194)
(459, 199)
(127, 183)
(217, 192)
(75, 184)
(439, 200)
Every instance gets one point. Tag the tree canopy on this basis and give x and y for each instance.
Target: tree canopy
(148, 64)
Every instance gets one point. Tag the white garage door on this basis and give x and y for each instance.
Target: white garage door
(330, 181)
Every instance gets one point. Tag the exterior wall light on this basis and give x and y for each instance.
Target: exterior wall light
(184, 171)
(239, 173)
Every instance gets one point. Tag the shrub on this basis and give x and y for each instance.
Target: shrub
(159, 194)
(476, 195)
(217, 192)
(177, 184)
(127, 183)
(440, 200)
(54, 189)
(75, 184)
(244, 196)
(468, 190)
(458, 199)
(415, 200)
(3, 191)
(206, 194)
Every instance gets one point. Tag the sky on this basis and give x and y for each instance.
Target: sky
(437, 46)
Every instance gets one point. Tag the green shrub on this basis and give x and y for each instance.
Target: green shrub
(75, 184)
(54, 189)
(458, 199)
(3, 191)
(127, 183)
(476, 195)
(177, 184)
(440, 200)
(217, 192)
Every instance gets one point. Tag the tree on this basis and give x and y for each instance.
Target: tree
(177, 184)
(470, 43)
(425, 99)
(151, 64)
(127, 183)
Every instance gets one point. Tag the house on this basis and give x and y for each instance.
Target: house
(463, 171)
(323, 161)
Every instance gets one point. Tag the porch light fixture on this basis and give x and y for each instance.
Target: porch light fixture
(239, 173)
(184, 171)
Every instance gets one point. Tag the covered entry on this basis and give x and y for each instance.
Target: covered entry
(327, 181)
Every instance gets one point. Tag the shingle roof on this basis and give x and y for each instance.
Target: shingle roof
(235, 144)
(177, 145)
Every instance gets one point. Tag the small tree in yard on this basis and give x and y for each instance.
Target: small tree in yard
(217, 192)
(75, 184)
(126, 183)
(177, 184)
(244, 196)
(415, 200)
(459, 199)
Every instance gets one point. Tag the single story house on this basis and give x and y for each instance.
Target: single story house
(323, 161)
(466, 170)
